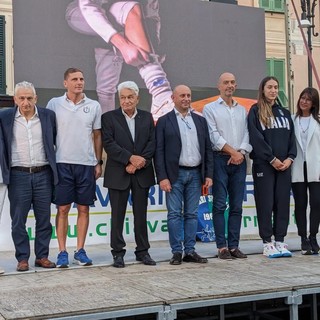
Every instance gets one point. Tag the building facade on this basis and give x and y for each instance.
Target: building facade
(6, 48)
(286, 52)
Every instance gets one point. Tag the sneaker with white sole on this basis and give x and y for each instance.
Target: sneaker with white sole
(270, 251)
(283, 249)
(81, 258)
(63, 260)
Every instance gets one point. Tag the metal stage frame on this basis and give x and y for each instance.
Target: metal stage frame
(293, 298)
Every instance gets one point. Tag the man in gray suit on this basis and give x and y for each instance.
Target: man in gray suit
(129, 140)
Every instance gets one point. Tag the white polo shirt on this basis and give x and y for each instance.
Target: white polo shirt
(75, 124)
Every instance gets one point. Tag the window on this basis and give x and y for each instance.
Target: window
(276, 68)
(2, 56)
(272, 5)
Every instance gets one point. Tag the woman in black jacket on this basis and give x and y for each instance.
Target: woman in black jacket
(271, 134)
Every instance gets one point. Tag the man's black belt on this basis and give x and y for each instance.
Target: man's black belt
(189, 168)
(31, 169)
(221, 153)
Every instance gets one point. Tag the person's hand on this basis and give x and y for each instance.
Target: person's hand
(131, 54)
(277, 164)
(138, 161)
(236, 158)
(131, 169)
(285, 164)
(165, 185)
(208, 183)
(97, 171)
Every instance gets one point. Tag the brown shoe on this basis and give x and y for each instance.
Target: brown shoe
(23, 265)
(237, 253)
(44, 263)
(224, 254)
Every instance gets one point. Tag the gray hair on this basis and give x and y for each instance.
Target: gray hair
(24, 85)
(128, 85)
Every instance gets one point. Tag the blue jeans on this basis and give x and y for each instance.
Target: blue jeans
(26, 189)
(227, 180)
(182, 205)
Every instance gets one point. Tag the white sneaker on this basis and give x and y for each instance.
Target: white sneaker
(270, 251)
(283, 249)
(1, 271)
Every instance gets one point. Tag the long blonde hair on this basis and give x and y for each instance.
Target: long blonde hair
(264, 107)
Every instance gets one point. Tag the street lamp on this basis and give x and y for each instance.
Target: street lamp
(307, 21)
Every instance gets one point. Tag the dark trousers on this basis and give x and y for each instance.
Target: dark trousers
(300, 194)
(26, 189)
(118, 201)
(272, 197)
(229, 180)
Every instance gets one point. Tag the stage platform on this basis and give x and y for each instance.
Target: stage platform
(103, 292)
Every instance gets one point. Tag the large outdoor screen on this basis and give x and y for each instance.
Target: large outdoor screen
(156, 43)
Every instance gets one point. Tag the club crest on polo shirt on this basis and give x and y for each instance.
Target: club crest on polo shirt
(86, 109)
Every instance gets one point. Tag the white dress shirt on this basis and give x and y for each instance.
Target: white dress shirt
(227, 125)
(27, 143)
(190, 152)
(131, 122)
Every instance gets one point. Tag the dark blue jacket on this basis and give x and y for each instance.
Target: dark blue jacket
(49, 131)
(168, 142)
(3, 159)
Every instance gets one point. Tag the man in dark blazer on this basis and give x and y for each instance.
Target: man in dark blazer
(183, 162)
(29, 136)
(4, 176)
(129, 141)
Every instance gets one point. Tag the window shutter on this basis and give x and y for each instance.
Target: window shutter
(278, 5)
(2, 56)
(272, 5)
(279, 73)
(268, 65)
(265, 4)
(276, 68)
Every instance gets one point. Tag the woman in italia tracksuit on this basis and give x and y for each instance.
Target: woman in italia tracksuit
(271, 134)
